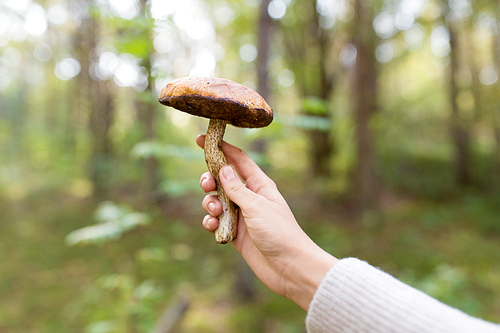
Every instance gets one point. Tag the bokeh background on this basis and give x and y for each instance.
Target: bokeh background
(386, 143)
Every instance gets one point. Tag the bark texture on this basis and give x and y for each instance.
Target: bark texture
(310, 52)
(101, 119)
(458, 129)
(496, 109)
(263, 47)
(146, 111)
(214, 156)
(364, 102)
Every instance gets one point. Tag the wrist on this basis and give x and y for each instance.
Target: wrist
(306, 273)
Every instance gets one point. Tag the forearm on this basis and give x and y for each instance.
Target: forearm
(305, 273)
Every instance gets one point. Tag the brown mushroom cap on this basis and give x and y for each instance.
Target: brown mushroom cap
(217, 98)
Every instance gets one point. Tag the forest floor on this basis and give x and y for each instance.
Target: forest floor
(449, 249)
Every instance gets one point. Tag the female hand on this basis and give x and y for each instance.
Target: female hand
(269, 238)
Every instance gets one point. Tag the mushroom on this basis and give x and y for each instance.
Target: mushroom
(223, 102)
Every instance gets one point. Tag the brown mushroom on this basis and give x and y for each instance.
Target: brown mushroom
(223, 102)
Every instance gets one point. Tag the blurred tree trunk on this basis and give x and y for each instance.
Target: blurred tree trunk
(263, 47)
(19, 114)
(496, 154)
(53, 100)
(101, 118)
(147, 117)
(146, 110)
(475, 83)
(364, 101)
(69, 105)
(80, 105)
(321, 148)
(495, 107)
(308, 54)
(459, 130)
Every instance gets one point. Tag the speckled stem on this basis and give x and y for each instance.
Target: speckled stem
(228, 220)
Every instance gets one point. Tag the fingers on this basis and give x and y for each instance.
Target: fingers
(207, 182)
(235, 189)
(244, 165)
(214, 208)
(212, 205)
(210, 223)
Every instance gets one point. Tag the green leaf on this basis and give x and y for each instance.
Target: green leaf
(94, 234)
(133, 220)
(185, 152)
(148, 149)
(307, 122)
(113, 221)
(102, 326)
(107, 211)
(144, 290)
(315, 105)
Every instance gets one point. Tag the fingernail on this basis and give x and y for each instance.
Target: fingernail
(211, 207)
(228, 173)
(205, 221)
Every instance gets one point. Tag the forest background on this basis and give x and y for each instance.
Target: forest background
(385, 142)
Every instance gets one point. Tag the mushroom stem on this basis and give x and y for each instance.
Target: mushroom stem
(214, 156)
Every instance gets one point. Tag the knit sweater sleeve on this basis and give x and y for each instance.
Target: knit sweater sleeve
(357, 297)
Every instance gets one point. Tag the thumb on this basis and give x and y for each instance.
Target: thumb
(234, 187)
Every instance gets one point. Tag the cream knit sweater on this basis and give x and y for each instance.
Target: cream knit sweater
(357, 297)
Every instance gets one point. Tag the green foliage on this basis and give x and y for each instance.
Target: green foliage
(315, 105)
(103, 326)
(179, 187)
(486, 213)
(128, 303)
(112, 222)
(61, 142)
(449, 285)
(308, 122)
(148, 149)
(124, 285)
(135, 44)
(419, 175)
